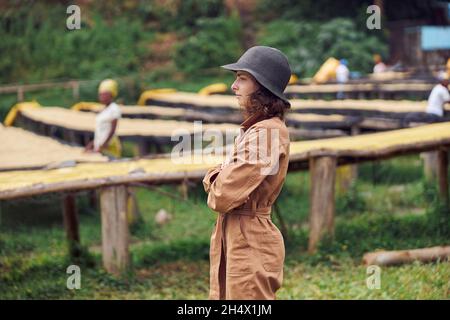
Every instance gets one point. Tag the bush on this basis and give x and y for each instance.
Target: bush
(309, 44)
(438, 212)
(351, 202)
(171, 15)
(215, 43)
(323, 10)
(38, 46)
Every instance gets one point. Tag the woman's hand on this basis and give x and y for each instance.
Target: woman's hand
(89, 147)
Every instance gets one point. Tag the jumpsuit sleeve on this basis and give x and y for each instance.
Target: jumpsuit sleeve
(231, 186)
(210, 177)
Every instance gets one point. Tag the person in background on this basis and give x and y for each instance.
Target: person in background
(435, 110)
(439, 96)
(105, 140)
(379, 64)
(342, 76)
(448, 68)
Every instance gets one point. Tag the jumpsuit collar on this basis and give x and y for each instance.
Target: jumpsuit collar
(254, 118)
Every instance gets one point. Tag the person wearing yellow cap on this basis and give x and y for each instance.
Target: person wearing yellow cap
(379, 64)
(105, 140)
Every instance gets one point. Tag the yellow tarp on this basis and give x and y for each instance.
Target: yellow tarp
(12, 114)
(293, 79)
(327, 71)
(87, 106)
(213, 88)
(152, 93)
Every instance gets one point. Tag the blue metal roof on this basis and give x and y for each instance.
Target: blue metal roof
(435, 38)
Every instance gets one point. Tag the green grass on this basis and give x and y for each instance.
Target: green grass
(171, 261)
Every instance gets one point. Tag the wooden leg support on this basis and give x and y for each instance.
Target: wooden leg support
(143, 147)
(430, 164)
(322, 175)
(115, 237)
(442, 165)
(93, 200)
(71, 224)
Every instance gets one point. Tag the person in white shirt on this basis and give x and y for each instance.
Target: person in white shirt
(438, 97)
(105, 140)
(435, 110)
(342, 76)
(379, 64)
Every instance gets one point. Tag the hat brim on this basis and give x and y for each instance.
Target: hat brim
(261, 80)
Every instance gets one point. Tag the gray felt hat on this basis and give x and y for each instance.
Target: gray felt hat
(268, 65)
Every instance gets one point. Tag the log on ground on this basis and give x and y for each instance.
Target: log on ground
(387, 258)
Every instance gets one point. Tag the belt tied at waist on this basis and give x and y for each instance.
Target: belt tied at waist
(263, 212)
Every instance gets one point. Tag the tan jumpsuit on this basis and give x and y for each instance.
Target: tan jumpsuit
(247, 249)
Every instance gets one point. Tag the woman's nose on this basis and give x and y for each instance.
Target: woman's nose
(234, 86)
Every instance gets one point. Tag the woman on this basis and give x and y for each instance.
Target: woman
(247, 249)
(105, 140)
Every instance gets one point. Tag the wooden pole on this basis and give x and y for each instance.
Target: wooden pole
(356, 130)
(115, 237)
(442, 165)
(322, 175)
(93, 200)
(71, 224)
(429, 164)
(20, 95)
(143, 147)
(75, 90)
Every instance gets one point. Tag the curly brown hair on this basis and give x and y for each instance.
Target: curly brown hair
(266, 102)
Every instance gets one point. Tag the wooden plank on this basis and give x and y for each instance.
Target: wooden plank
(321, 219)
(71, 224)
(151, 178)
(115, 237)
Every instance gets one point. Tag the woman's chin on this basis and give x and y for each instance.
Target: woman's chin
(241, 102)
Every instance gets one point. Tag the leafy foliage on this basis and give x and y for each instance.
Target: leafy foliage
(309, 44)
(38, 46)
(215, 43)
